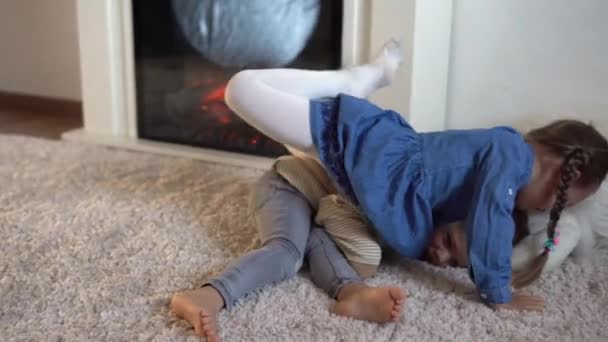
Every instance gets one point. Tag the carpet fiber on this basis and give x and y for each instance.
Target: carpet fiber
(94, 241)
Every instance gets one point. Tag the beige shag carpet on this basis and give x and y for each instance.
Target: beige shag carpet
(94, 241)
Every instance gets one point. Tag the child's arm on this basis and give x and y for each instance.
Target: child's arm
(498, 297)
(490, 231)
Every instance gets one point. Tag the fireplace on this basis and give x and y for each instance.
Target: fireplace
(166, 96)
(186, 50)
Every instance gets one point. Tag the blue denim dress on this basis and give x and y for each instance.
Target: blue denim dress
(406, 183)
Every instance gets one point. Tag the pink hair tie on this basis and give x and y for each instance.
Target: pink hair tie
(551, 243)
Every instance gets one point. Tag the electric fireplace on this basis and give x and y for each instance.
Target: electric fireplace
(186, 51)
(153, 72)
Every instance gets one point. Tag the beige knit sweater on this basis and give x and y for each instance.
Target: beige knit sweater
(343, 221)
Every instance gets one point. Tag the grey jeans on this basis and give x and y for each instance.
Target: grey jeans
(288, 235)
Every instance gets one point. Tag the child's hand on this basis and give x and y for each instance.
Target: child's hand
(523, 302)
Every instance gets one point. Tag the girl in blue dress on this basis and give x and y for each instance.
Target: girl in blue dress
(407, 182)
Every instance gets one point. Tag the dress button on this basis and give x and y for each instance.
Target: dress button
(510, 192)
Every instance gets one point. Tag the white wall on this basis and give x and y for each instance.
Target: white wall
(39, 48)
(520, 60)
(392, 19)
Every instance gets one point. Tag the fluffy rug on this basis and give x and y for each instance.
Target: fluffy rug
(94, 242)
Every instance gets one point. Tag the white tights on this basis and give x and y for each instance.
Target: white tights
(277, 101)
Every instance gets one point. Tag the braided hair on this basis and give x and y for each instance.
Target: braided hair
(569, 168)
(585, 151)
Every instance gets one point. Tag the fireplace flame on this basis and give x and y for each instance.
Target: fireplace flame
(215, 95)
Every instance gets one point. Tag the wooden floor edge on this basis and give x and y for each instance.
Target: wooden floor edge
(39, 104)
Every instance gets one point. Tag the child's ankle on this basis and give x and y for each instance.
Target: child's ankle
(349, 290)
(213, 297)
(364, 270)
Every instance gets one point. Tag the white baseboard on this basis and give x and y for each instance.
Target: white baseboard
(143, 145)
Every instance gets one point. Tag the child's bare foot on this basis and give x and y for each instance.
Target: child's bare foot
(199, 307)
(376, 304)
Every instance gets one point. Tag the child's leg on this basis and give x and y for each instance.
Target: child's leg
(350, 231)
(276, 101)
(284, 221)
(331, 271)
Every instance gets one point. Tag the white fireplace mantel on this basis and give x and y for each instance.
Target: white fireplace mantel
(419, 91)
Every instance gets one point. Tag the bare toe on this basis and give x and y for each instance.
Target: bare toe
(372, 304)
(396, 313)
(397, 294)
(209, 326)
(199, 330)
(212, 338)
(199, 307)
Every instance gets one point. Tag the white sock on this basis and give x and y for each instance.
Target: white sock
(367, 78)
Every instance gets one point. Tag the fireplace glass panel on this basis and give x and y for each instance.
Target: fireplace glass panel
(187, 50)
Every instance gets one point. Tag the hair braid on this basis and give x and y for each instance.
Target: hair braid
(572, 164)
